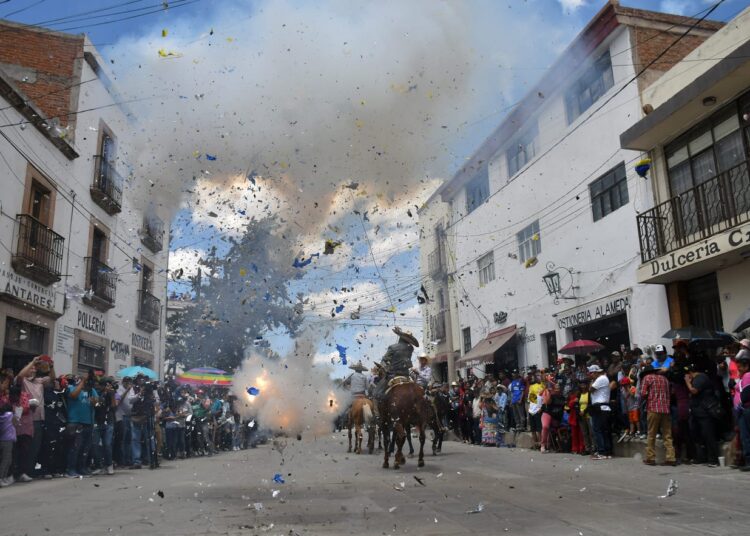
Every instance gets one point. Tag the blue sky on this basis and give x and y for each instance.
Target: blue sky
(218, 34)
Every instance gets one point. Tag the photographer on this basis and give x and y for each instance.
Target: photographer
(80, 397)
(142, 419)
(123, 449)
(104, 424)
(32, 380)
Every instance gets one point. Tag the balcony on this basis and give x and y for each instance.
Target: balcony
(436, 263)
(149, 311)
(39, 250)
(710, 208)
(107, 188)
(437, 326)
(152, 234)
(102, 282)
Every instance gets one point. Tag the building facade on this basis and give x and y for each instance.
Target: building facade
(83, 267)
(541, 217)
(695, 241)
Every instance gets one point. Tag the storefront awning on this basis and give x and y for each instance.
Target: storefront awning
(484, 351)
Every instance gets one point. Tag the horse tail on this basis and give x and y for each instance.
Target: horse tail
(367, 413)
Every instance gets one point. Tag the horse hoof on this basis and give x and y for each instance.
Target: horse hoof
(420, 463)
(385, 465)
(396, 466)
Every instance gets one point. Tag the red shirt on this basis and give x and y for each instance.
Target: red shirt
(655, 388)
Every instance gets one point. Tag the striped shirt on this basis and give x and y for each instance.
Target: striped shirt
(655, 389)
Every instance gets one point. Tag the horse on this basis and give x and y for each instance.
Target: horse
(361, 414)
(439, 415)
(404, 405)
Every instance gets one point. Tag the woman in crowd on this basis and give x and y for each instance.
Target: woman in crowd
(489, 419)
(705, 410)
(552, 413)
(7, 430)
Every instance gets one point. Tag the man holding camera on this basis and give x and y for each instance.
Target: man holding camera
(80, 397)
(104, 425)
(124, 397)
(142, 420)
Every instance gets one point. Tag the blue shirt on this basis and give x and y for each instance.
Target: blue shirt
(663, 364)
(516, 391)
(80, 409)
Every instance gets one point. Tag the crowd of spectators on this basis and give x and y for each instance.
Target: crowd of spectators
(692, 400)
(79, 426)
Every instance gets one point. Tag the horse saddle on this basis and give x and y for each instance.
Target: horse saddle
(398, 380)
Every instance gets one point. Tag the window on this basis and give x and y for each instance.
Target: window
(39, 203)
(477, 191)
(609, 192)
(529, 242)
(147, 277)
(486, 268)
(466, 335)
(592, 84)
(90, 356)
(522, 151)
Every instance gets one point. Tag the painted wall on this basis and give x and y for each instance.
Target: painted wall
(734, 292)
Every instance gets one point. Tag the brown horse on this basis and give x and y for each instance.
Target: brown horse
(404, 406)
(362, 414)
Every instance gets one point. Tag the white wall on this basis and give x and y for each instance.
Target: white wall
(604, 254)
(734, 291)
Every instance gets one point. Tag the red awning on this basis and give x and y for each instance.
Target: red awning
(484, 351)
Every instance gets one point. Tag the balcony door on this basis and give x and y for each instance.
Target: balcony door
(39, 203)
(704, 305)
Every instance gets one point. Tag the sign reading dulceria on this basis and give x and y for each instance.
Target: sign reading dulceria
(716, 245)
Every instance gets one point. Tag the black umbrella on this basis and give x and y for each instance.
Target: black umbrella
(719, 339)
(690, 332)
(742, 322)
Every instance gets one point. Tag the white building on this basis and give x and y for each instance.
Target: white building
(696, 239)
(83, 267)
(551, 193)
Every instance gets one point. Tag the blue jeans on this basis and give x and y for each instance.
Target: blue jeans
(125, 437)
(175, 441)
(600, 421)
(79, 445)
(103, 445)
(142, 433)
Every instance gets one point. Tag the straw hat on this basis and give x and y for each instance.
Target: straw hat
(406, 336)
(425, 357)
(358, 366)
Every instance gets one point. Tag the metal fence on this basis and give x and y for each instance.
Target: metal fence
(102, 280)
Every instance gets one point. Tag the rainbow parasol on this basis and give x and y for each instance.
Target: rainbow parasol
(206, 376)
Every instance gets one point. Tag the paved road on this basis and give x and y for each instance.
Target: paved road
(328, 491)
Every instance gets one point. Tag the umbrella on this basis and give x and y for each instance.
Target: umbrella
(206, 376)
(742, 322)
(690, 332)
(719, 339)
(581, 347)
(134, 371)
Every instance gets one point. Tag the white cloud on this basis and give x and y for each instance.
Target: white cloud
(572, 5)
(678, 7)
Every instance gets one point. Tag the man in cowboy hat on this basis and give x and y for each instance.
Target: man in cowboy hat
(423, 373)
(397, 359)
(358, 383)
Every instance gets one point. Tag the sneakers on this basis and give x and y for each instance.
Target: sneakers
(622, 437)
(5, 482)
(110, 470)
(25, 478)
(48, 476)
(96, 472)
(649, 462)
(136, 466)
(598, 456)
(72, 474)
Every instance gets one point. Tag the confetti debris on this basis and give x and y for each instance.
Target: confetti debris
(278, 478)
(671, 489)
(476, 510)
(253, 391)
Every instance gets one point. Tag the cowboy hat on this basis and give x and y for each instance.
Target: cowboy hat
(358, 366)
(425, 357)
(406, 336)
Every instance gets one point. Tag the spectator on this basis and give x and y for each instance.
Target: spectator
(535, 409)
(80, 398)
(631, 400)
(601, 412)
(741, 403)
(142, 419)
(517, 402)
(552, 413)
(104, 427)
(7, 430)
(577, 444)
(584, 419)
(476, 418)
(655, 390)
(33, 379)
(705, 413)
(662, 362)
(53, 454)
(124, 397)
(488, 419)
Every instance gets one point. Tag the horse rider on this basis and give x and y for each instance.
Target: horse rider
(358, 383)
(397, 360)
(423, 373)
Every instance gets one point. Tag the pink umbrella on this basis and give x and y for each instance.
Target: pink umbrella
(581, 347)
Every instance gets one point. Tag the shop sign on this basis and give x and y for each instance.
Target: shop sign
(92, 322)
(120, 350)
(691, 255)
(142, 343)
(28, 291)
(607, 307)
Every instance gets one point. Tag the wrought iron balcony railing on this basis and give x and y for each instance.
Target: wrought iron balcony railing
(107, 187)
(39, 250)
(436, 262)
(713, 206)
(149, 311)
(152, 233)
(102, 281)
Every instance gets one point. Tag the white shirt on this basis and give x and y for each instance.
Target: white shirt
(424, 375)
(476, 409)
(600, 393)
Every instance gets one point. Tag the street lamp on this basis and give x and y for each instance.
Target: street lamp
(552, 282)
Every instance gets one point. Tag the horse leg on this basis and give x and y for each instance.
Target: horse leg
(358, 438)
(408, 438)
(420, 429)
(350, 437)
(384, 430)
(400, 437)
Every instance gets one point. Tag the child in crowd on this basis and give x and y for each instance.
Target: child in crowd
(7, 440)
(629, 395)
(577, 445)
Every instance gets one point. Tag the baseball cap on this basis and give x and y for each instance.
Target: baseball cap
(660, 348)
(594, 368)
(45, 358)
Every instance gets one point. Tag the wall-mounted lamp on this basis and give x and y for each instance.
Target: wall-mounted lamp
(552, 282)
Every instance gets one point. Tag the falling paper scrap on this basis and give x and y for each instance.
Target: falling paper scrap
(253, 391)
(278, 478)
(671, 489)
(301, 263)
(342, 353)
(330, 246)
(476, 510)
